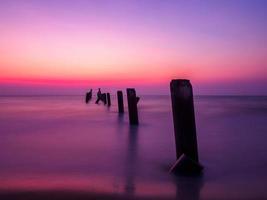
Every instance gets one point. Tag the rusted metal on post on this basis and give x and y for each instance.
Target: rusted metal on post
(132, 106)
(120, 101)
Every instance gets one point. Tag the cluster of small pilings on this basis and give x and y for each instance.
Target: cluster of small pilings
(132, 103)
(132, 100)
(187, 161)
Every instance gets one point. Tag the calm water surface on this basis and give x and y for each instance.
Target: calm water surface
(50, 143)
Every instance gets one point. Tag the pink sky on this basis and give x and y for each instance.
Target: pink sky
(79, 44)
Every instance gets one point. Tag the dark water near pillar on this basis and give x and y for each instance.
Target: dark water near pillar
(51, 143)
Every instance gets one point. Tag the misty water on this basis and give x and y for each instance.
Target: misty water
(61, 143)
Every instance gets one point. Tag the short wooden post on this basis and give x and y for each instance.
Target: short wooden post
(184, 122)
(120, 102)
(108, 99)
(132, 106)
(104, 96)
(88, 96)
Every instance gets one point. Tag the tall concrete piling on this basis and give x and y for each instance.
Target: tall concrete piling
(120, 101)
(108, 99)
(184, 127)
(132, 106)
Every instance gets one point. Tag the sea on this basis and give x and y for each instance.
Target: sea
(60, 143)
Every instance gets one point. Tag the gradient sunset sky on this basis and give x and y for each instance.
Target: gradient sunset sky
(65, 47)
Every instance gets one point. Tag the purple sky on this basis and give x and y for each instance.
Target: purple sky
(65, 47)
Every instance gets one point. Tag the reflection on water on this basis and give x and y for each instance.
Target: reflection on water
(188, 187)
(62, 143)
(132, 150)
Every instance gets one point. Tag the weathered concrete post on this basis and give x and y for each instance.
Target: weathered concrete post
(120, 101)
(132, 106)
(108, 98)
(184, 125)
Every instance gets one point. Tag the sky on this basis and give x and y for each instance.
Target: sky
(69, 46)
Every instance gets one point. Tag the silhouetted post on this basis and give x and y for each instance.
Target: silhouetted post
(120, 101)
(104, 96)
(184, 124)
(132, 106)
(108, 98)
(88, 96)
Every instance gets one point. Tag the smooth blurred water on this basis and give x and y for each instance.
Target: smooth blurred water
(59, 142)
